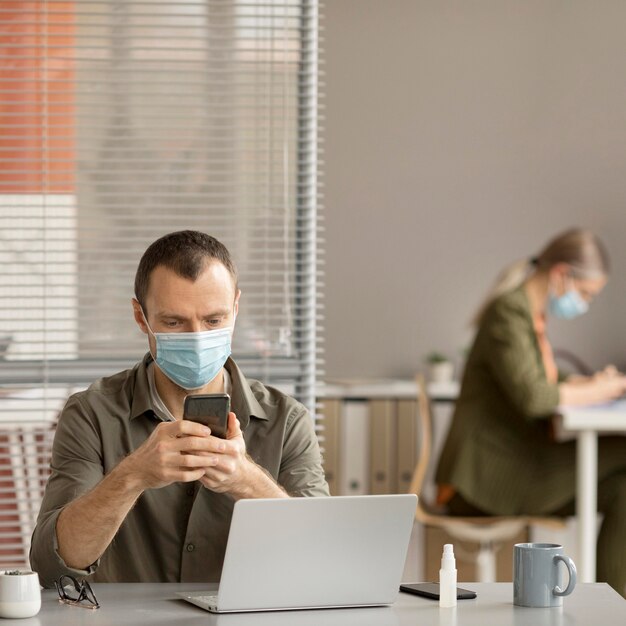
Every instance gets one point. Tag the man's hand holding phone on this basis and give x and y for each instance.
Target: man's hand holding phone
(232, 471)
(174, 452)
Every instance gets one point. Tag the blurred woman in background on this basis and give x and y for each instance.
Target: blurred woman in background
(500, 457)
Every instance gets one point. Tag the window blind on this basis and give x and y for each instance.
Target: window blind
(123, 120)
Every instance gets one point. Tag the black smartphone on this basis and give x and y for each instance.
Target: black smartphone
(431, 590)
(210, 409)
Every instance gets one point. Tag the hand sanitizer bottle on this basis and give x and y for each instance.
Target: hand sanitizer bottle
(447, 577)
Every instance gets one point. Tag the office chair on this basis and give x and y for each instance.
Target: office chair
(24, 468)
(489, 532)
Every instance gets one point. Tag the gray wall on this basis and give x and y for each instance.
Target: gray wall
(460, 136)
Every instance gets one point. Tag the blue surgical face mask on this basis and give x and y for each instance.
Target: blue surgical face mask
(193, 359)
(568, 306)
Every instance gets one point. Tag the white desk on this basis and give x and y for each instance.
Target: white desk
(386, 388)
(151, 604)
(586, 422)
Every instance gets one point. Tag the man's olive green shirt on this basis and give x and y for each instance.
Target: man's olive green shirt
(177, 533)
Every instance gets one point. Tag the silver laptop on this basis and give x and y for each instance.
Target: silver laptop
(305, 553)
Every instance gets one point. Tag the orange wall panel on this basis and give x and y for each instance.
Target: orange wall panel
(36, 97)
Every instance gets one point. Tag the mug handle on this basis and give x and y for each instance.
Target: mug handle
(571, 568)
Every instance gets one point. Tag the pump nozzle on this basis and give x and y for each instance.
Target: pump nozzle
(448, 562)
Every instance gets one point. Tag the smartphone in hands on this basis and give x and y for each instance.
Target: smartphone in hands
(209, 409)
(431, 590)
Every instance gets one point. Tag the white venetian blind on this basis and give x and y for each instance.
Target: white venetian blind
(123, 120)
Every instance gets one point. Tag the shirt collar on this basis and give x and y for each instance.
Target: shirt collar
(141, 402)
(161, 410)
(243, 401)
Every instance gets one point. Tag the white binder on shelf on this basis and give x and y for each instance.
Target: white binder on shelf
(354, 437)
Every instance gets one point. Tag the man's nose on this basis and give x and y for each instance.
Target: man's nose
(196, 326)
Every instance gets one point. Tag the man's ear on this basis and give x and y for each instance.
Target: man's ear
(237, 296)
(138, 315)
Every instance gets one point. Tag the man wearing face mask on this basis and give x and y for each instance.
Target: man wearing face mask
(500, 457)
(136, 492)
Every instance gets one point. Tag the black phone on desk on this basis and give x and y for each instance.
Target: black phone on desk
(431, 590)
(209, 409)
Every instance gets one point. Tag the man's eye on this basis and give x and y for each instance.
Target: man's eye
(171, 324)
(215, 321)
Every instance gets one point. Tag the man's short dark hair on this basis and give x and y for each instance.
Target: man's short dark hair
(186, 252)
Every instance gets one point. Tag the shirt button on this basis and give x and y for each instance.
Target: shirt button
(190, 547)
(190, 491)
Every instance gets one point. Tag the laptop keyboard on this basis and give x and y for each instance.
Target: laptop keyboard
(207, 600)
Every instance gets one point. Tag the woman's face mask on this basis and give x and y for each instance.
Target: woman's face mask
(576, 296)
(568, 306)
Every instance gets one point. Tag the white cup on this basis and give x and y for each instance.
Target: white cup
(20, 594)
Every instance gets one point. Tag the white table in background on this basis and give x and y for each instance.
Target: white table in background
(370, 388)
(587, 422)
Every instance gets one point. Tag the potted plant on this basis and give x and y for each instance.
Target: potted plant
(440, 368)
